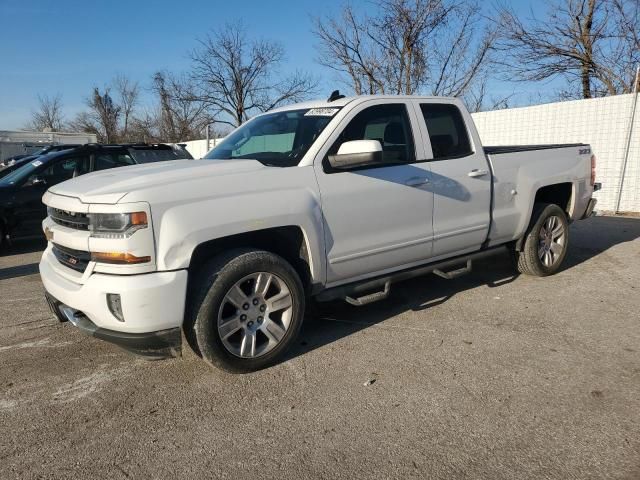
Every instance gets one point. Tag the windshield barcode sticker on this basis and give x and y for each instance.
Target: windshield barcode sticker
(322, 112)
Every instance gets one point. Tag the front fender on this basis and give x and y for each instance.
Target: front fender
(185, 226)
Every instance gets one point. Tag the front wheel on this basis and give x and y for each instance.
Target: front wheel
(247, 310)
(546, 241)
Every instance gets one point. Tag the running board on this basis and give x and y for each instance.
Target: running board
(372, 297)
(455, 273)
(357, 293)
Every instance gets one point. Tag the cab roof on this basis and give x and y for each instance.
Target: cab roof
(341, 102)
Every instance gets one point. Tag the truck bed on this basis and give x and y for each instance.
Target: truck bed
(519, 171)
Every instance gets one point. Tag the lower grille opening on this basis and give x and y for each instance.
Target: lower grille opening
(74, 259)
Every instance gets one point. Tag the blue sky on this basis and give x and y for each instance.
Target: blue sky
(67, 46)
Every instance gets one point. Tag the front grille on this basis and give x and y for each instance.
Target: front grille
(77, 221)
(74, 259)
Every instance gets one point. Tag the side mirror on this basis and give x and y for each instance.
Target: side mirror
(357, 153)
(38, 181)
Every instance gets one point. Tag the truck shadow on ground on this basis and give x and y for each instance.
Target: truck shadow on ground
(18, 271)
(332, 321)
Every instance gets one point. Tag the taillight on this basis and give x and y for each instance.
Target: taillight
(593, 170)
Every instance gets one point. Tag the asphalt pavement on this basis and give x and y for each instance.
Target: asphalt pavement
(492, 375)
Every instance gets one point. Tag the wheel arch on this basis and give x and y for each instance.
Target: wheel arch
(561, 194)
(290, 242)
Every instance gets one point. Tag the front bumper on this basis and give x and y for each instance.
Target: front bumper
(162, 344)
(153, 304)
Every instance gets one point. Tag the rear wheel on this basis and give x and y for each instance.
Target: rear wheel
(546, 241)
(248, 309)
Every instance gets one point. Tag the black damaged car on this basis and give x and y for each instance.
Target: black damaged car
(21, 191)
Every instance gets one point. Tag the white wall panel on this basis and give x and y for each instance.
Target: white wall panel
(601, 122)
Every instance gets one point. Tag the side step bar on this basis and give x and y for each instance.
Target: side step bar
(373, 297)
(455, 273)
(359, 293)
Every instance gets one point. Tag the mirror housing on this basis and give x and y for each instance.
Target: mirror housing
(37, 181)
(357, 153)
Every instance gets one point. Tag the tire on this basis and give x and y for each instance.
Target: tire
(546, 241)
(236, 328)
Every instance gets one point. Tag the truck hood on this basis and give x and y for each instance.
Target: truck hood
(111, 186)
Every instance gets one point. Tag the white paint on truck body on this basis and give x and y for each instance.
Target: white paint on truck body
(356, 224)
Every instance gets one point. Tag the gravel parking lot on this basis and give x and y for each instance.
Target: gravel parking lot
(488, 376)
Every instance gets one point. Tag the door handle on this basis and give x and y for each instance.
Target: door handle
(478, 173)
(416, 182)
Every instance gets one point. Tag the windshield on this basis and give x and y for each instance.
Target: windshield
(277, 139)
(20, 174)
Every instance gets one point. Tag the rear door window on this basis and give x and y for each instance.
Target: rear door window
(152, 155)
(447, 131)
(105, 161)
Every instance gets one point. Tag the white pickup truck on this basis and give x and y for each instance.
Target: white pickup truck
(321, 200)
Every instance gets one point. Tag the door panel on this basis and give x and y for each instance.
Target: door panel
(30, 211)
(378, 218)
(461, 180)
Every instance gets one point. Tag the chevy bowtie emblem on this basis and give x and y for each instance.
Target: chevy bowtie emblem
(48, 234)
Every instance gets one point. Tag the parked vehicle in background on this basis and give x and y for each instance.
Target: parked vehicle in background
(12, 160)
(328, 200)
(21, 190)
(143, 153)
(11, 165)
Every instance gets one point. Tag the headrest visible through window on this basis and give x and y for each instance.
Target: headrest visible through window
(394, 134)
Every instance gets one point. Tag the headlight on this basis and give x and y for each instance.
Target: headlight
(116, 225)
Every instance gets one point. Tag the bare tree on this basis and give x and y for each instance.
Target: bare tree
(591, 41)
(346, 48)
(102, 118)
(111, 111)
(128, 95)
(85, 122)
(235, 76)
(144, 126)
(462, 52)
(48, 115)
(627, 25)
(480, 99)
(181, 116)
(409, 46)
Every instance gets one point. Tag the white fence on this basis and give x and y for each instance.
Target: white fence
(604, 123)
(198, 148)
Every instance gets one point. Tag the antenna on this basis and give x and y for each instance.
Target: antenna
(335, 95)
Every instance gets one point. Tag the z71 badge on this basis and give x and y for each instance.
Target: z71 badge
(584, 151)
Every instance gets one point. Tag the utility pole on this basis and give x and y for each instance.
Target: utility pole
(634, 106)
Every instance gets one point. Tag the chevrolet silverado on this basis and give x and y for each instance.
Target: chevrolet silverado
(323, 200)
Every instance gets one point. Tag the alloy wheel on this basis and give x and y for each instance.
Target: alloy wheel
(551, 241)
(255, 315)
